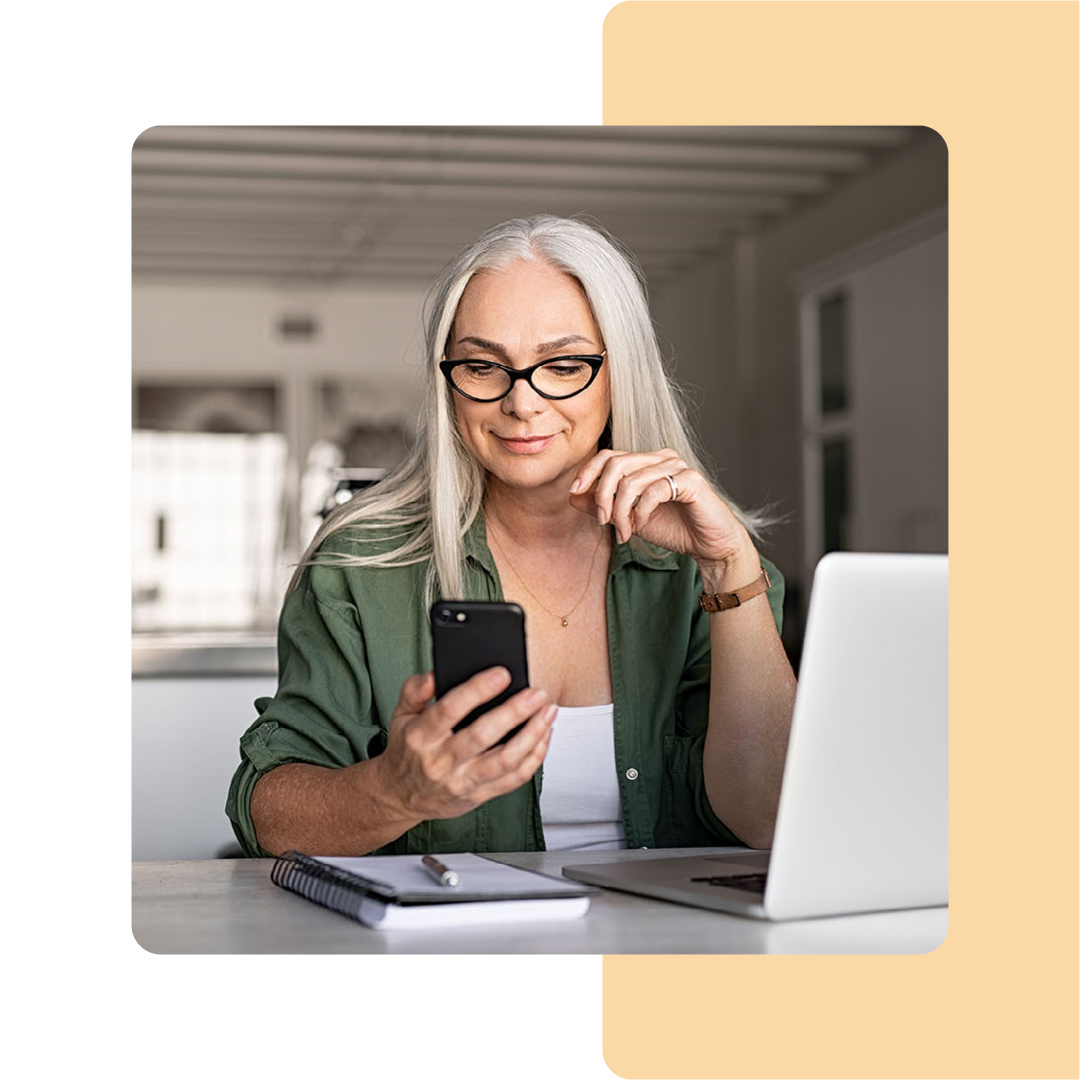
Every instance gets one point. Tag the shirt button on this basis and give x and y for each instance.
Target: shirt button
(631, 774)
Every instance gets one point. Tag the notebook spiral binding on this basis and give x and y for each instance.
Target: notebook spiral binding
(325, 885)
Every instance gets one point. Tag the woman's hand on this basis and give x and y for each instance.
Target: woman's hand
(631, 491)
(433, 772)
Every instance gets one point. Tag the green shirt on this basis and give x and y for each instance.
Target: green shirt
(349, 638)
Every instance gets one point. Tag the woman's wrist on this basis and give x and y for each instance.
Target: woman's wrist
(740, 569)
(380, 795)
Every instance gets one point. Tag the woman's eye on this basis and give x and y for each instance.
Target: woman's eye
(479, 370)
(568, 370)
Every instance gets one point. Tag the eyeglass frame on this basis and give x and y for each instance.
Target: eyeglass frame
(594, 360)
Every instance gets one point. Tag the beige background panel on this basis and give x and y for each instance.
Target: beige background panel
(998, 82)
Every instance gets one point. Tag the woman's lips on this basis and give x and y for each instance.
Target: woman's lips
(534, 445)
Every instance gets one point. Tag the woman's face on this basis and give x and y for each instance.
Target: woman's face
(517, 317)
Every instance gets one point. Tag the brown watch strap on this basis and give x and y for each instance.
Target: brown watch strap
(713, 602)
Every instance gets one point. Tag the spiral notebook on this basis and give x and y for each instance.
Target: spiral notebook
(389, 892)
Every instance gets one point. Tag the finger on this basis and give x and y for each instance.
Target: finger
(616, 470)
(499, 760)
(587, 475)
(625, 511)
(507, 767)
(416, 692)
(659, 491)
(513, 780)
(457, 703)
(487, 730)
(637, 471)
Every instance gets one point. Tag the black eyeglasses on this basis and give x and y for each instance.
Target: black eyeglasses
(559, 378)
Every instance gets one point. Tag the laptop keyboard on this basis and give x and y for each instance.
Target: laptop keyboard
(754, 883)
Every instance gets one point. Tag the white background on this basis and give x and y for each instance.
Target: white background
(79, 83)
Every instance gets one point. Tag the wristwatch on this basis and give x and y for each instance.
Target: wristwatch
(713, 602)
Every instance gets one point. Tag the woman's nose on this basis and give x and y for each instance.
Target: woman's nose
(523, 400)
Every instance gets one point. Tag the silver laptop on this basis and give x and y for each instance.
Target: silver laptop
(863, 817)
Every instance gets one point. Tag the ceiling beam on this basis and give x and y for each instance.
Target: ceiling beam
(440, 170)
(391, 192)
(390, 144)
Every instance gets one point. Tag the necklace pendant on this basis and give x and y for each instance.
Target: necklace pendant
(566, 622)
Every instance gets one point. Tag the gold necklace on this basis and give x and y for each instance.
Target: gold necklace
(564, 618)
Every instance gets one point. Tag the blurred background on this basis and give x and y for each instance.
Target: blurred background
(797, 278)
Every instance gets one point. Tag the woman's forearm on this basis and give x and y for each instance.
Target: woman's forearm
(751, 698)
(326, 811)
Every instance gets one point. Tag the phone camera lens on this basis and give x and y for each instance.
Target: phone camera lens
(445, 615)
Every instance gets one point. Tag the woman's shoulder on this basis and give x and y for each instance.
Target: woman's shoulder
(373, 538)
(358, 559)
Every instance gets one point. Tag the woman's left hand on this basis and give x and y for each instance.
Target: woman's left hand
(632, 492)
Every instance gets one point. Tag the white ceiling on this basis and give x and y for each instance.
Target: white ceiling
(307, 204)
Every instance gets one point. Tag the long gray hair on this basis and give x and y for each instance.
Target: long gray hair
(423, 509)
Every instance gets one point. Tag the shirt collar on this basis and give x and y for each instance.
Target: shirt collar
(640, 553)
(648, 557)
(476, 546)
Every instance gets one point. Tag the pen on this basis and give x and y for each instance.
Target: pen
(442, 874)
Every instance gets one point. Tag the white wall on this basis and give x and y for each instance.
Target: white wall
(184, 750)
(226, 328)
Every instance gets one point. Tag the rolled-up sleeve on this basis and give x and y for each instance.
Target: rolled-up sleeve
(323, 712)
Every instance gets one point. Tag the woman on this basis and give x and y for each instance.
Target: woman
(551, 448)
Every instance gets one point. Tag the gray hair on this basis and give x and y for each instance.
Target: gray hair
(424, 508)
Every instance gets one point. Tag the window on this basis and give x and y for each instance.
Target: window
(207, 529)
(833, 353)
(829, 443)
(836, 485)
(208, 476)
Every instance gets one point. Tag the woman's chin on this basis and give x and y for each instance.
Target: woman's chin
(530, 474)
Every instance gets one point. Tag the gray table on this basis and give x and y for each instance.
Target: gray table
(231, 906)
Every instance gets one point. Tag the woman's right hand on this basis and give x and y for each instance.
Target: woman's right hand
(431, 771)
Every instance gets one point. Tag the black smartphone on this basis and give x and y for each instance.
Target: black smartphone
(470, 636)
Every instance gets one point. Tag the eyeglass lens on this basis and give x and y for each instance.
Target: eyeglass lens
(557, 378)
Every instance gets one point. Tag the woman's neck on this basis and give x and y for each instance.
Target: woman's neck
(537, 516)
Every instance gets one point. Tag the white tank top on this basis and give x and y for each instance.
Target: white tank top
(579, 800)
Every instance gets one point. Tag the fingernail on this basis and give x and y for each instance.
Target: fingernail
(536, 696)
(600, 516)
(574, 486)
(498, 674)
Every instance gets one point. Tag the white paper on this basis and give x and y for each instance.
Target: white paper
(406, 874)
